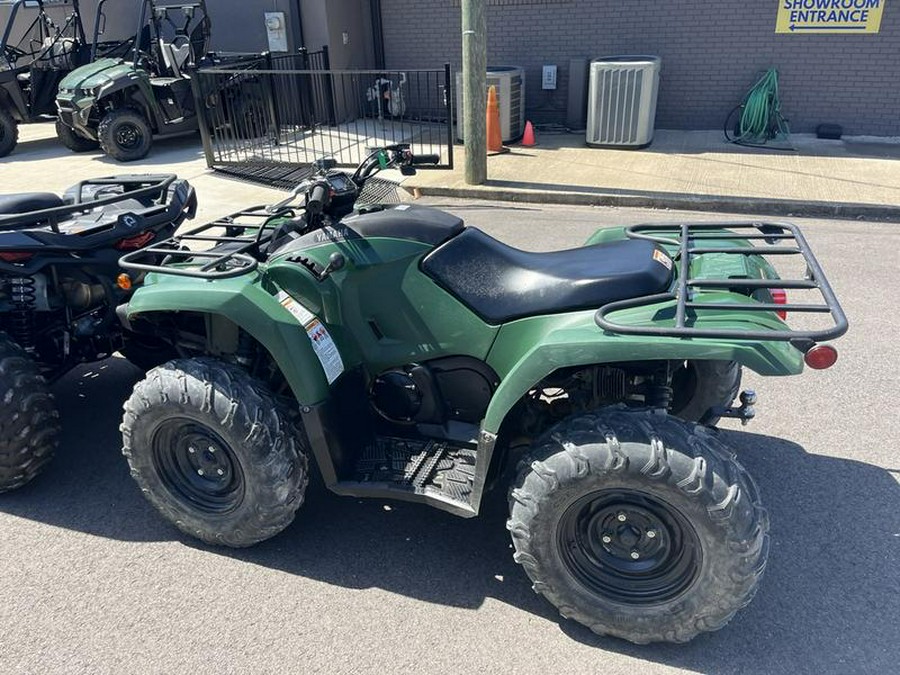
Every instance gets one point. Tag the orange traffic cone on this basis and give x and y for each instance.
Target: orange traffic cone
(494, 136)
(528, 137)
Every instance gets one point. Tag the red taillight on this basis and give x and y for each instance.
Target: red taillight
(15, 256)
(821, 357)
(135, 242)
(779, 297)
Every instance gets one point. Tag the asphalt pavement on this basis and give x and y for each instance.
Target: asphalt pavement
(93, 581)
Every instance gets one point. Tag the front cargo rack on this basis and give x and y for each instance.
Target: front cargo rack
(781, 239)
(231, 255)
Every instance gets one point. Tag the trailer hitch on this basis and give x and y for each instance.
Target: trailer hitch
(745, 412)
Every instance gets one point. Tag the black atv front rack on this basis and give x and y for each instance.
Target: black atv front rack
(230, 256)
(781, 239)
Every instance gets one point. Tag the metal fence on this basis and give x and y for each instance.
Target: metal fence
(268, 117)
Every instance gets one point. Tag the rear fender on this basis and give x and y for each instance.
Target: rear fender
(245, 304)
(709, 265)
(527, 351)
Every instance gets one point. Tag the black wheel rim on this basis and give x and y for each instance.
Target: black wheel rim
(128, 136)
(629, 547)
(197, 466)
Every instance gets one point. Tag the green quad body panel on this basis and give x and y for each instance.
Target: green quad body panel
(383, 311)
(528, 350)
(709, 265)
(245, 302)
(380, 284)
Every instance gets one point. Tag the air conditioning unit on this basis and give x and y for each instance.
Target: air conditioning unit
(510, 83)
(622, 101)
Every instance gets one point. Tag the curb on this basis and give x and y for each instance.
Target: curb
(687, 202)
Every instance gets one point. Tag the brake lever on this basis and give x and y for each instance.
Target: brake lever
(296, 192)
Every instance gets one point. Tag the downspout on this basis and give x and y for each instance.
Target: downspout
(377, 33)
(300, 24)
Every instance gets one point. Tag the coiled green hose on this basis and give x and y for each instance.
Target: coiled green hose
(761, 119)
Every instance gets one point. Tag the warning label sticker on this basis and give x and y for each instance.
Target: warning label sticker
(662, 259)
(322, 342)
(829, 16)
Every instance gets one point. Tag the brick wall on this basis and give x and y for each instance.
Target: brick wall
(712, 54)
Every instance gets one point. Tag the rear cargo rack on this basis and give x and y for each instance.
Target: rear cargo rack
(229, 256)
(781, 239)
(154, 187)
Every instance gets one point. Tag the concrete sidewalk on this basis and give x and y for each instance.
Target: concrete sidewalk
(696, 170)
(681, 170)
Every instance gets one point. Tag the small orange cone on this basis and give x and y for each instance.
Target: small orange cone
(528, 137)
(494, 135)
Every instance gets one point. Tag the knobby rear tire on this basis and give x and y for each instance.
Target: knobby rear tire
(663, 461)
(703, 386)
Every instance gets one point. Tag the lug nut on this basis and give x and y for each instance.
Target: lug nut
(607, 539)
(221, 472)
(199, 472)
(635, 555)
(212, 449)
(651, 534)
(192, 450)
(622, 517)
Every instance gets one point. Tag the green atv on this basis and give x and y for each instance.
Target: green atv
(123, 103)
(411, 357)
(36, 52)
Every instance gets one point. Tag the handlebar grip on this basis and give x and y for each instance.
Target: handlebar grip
(425, 159)
(318, 197)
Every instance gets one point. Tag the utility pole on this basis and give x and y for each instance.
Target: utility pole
(474, 63)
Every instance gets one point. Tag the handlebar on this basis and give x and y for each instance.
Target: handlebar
(317, 189)
(318, 198)
(417, 160)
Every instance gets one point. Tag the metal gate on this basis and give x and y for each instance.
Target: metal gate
(267, 118)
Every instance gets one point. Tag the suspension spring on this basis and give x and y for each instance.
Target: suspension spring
(659, 396)
(23, 297)
(609, 384)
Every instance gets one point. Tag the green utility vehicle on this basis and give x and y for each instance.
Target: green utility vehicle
(123, 103)
(36, 52)
(411, 357)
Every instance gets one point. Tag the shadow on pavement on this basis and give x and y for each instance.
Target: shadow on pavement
(165, 151)
(828, 603)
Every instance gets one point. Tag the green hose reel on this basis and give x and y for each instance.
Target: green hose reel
(760, 118)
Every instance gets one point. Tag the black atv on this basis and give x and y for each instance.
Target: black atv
(60, 284)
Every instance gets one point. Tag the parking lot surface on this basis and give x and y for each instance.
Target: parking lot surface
(93, 581)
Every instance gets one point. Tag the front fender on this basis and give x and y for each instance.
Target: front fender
(253, 309)
(527, 351)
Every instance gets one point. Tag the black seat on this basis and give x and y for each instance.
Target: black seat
(501, 283)
(29, 201)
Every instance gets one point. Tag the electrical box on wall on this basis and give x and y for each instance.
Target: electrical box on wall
(276, 31)
(548, 81)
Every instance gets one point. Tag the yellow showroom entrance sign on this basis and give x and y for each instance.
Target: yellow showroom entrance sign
(829, 16)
